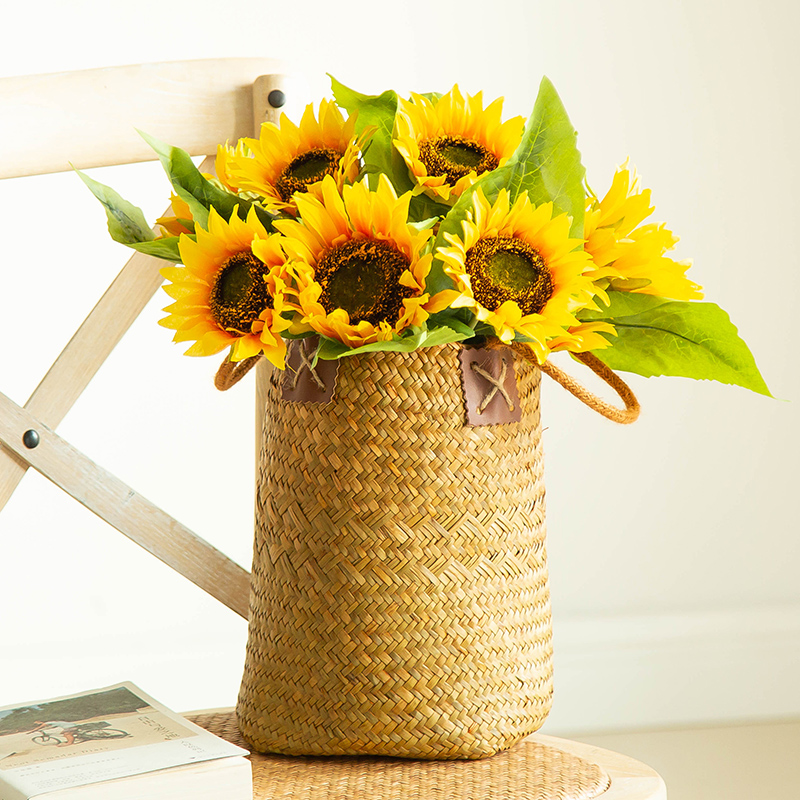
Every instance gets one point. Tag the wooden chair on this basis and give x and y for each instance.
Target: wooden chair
(86, 118)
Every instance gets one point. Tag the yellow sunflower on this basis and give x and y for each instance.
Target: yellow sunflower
(447, 143)
(518, 270)
(289, 159)
(224, 295)
(358, 270)
(630, 256)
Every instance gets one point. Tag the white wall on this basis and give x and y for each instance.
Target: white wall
(673, 544)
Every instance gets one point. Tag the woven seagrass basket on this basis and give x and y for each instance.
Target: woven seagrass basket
(399, 599)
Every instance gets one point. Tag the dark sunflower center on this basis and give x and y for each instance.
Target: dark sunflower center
(308, 167)
(362, 276)
(504, 268)
(455, 157)
(239, 293)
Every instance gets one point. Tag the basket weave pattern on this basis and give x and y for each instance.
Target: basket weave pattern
(531, 771)
(399, 599)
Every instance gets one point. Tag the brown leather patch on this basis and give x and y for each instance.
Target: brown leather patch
(302, 383)
(490, 386)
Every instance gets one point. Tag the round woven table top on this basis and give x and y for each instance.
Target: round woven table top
(539, 768)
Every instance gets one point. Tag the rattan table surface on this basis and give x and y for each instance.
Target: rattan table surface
(538, 768)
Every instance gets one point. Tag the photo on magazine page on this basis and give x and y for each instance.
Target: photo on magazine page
(94, 723)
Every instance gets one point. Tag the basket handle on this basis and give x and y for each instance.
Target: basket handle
(231, 372)
(622, 416)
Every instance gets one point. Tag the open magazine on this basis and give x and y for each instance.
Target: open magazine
(114, 743)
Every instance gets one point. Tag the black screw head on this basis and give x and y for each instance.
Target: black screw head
(276, 98)
(30, 439)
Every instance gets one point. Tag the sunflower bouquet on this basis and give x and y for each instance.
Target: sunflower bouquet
(399, 592)
(389, 223)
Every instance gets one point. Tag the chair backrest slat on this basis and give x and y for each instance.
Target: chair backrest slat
(89, 118)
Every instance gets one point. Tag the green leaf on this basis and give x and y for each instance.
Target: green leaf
(446, 335)
(424, 224)
(485, 331)
(405, 344)
(198, 192)
(161, 248)
(393, 345)
(126, 222)
(667, 337)
(547, 163)
(415, 338)
(378, 111)
(329, 349)
(422, 208)
(460, 320)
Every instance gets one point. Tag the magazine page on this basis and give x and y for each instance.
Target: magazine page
(98, 736)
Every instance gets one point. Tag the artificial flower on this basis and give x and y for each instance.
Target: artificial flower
(629, 256)
(290, 158)
(448, 142)
(516, 267)
(224, 295)
(357, 267)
